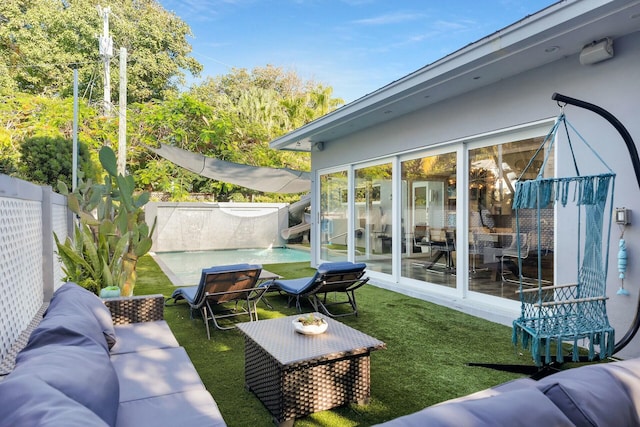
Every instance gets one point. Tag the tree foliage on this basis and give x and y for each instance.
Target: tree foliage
(39, 39)
(24, 116)
(230, 117)
(276, 99)
(53, 157)
(233, 120)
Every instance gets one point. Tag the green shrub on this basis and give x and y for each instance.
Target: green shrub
(46, 160)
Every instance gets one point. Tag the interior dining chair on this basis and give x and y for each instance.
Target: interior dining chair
(515, 256)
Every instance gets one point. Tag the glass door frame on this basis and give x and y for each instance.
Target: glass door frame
(461, 147)
(454, 147)
(316, 248)
(503, 136)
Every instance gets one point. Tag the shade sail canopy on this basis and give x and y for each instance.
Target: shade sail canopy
(268, 180)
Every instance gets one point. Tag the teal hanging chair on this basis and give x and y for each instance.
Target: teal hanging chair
(561, 315)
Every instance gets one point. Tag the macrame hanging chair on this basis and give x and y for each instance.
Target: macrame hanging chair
(554, 316)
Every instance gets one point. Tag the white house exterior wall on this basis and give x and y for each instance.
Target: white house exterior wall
(613, 85)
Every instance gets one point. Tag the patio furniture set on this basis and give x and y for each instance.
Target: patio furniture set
(143, 377)
(292, 374)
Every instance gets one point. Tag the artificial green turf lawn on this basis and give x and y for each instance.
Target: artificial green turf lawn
(428, 347)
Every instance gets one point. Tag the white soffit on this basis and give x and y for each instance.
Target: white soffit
(557, 31)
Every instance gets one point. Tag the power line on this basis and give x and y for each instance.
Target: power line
(202, 55)
(55, 64)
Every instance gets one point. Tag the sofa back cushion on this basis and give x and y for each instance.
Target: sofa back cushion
(71, 298)
(627, 372)
(593, 395)
(29, 401)
(82, 373)
(67, 329)
(518, 408)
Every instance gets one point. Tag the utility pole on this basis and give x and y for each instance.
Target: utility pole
(122, 114)
(74, 150)
(106, 52)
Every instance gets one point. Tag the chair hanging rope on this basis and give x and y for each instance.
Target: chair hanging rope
(552, 316)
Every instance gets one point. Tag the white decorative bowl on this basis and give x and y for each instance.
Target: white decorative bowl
(310, 329)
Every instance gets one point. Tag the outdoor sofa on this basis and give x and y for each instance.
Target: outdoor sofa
(88, 365)
(598, 395)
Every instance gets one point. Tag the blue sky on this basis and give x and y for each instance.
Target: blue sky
(354, 46)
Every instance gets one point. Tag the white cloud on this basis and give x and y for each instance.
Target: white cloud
(391, 18)
(453, 25)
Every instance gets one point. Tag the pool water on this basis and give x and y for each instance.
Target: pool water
(184, 268)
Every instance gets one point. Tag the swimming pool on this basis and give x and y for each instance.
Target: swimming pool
(184, 268)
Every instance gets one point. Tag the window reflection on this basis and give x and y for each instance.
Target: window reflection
(333, 216)
(373, 208)
(429, 219)
(426, 235)
(495, 249)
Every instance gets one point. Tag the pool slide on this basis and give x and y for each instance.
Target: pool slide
(297, 212)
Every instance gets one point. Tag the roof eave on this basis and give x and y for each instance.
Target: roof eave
(505, 47)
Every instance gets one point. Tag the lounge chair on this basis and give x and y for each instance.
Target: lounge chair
(330, 277)
(221, 284)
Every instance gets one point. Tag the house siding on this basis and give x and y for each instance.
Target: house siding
(520, 100)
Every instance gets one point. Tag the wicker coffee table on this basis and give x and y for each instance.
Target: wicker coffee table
(295, 375)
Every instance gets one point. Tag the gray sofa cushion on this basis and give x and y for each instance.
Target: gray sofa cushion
(155, 373)
(84, 374)
(71, 297)
(523, 407)
(64, 329)
(627, 372)
(142, 336)
(190, 408)
(517, 384)
(28, 401)
(591, 396)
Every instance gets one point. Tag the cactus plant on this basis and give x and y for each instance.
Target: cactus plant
(111, 233)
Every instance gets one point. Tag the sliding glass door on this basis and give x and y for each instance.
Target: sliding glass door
(358, 216)
(429, 219)
(334, 191)
(373, 216)
(494, 257)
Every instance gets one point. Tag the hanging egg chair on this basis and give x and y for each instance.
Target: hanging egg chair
(557, 318)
